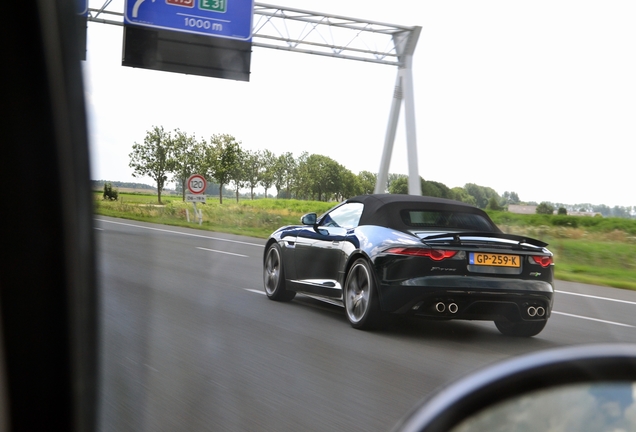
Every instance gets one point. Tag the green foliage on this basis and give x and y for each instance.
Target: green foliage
(187, 158)
(562, 211)
(399, 185)
(493, 204)
(460, 194)
(545, 208)
(110, 193)
(367, 181)
(481, 194)
(222, 159)
(153, 158)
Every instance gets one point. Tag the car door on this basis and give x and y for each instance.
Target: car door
(319, 251)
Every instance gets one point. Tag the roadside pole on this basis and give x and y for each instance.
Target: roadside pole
(196, 185)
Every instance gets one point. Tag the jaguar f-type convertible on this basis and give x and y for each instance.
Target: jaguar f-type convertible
(403, 254)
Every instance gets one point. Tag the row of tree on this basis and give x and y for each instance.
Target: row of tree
(174, 156)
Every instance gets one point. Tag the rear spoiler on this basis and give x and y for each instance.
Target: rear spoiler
(457, 237)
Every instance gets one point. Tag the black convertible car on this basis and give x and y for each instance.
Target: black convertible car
(402, 254)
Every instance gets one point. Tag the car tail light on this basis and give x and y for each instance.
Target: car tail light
(434, 254)
(543, 261)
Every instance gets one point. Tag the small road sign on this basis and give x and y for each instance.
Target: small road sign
(197, 184)
(195, 198)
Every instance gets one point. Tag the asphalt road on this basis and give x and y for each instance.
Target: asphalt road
(190, 342)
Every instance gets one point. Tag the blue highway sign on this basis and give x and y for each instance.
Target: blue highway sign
(231, 19)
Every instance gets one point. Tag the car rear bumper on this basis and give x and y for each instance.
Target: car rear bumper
(471, 298)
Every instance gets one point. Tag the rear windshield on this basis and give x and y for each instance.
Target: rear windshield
(446, 219)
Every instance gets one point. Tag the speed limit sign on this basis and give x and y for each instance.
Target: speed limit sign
(197, 184)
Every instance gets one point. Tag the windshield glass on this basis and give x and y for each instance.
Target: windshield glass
(524, 110)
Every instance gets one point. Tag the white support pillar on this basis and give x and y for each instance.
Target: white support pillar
(383, 173)
(415, 186)
(405, 45)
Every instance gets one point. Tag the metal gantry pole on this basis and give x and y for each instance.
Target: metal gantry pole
(389, 139)
(415, 186)
(405, 45)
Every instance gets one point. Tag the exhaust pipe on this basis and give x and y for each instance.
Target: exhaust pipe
(440, 307)
(540, 311)
(452, 308)
(532, 311)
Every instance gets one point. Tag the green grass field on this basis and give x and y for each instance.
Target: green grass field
(600, 251)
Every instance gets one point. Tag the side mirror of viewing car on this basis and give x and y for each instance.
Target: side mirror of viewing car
(309, 219)
(587, 387)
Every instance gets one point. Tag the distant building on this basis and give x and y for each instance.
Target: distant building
(522, 209)
(532, 209)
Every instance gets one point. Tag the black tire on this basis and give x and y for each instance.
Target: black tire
(361, 298)
(274, 276)
(520, 329)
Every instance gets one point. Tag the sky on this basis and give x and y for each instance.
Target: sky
(537, 98)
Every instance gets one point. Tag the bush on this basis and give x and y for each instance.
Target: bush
(110, 193)
(545, 208)
(562, 211)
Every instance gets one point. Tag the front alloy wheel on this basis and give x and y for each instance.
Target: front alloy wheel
(360, 297)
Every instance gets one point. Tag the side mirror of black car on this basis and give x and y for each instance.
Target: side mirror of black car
(309, 219)
(587, 387)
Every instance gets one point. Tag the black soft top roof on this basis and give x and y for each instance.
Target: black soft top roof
(384, 209)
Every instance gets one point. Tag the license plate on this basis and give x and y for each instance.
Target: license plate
(497, 260)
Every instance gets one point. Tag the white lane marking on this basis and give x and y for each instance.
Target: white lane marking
(592, 319)
(596, 297)
(98, 229)
(223, 252)
(181, 233)
(255, 291)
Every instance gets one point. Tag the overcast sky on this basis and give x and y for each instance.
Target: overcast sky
(535, 97)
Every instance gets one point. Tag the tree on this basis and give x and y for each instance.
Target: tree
(110, 193)
(153, 158)
(545, 208)
(481, 194)
(238, 175)
(221, 159)
(367, 181)
(252, 168)
(399, 184)
(319, 177)
(391, 178)
(290, 165)
(268, 169)
(349, 184)
(460, 194)
(493, 204)
(187, 155)
(435, 189)
(510, 198)
(562, 211)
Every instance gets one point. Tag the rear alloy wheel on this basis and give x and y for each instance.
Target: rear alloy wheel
(360, 297)
(274, 276)
(520, 329)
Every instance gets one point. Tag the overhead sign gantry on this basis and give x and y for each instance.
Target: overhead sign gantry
(314, 33)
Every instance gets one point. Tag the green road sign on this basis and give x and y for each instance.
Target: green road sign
(213, 5)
